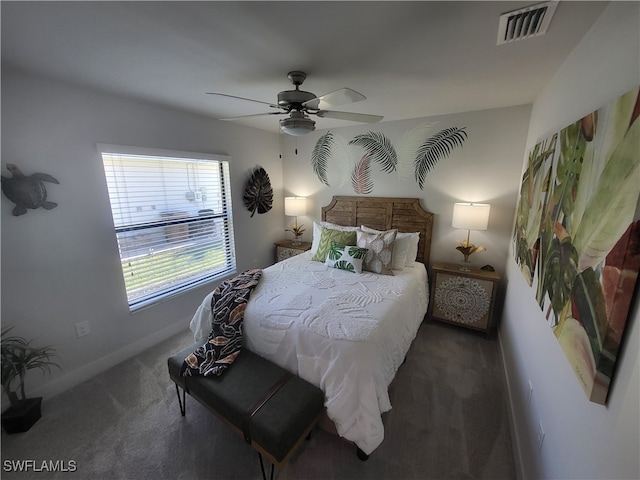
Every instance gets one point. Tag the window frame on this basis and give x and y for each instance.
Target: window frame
(228, 242)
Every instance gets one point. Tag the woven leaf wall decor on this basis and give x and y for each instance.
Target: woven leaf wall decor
(258, 195)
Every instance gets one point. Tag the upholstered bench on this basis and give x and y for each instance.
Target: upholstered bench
(273, 410)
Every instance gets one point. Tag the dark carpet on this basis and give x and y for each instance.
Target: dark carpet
(449, 421)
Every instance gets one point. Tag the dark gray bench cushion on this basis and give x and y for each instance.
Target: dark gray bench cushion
(280, 423)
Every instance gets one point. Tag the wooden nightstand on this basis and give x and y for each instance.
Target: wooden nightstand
(464, 298)
(286, 249)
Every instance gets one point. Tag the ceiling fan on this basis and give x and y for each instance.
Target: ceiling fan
(298, 105)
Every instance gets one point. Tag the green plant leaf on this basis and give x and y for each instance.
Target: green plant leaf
(335, 251)
(345, 265)
(533, 191)
(358, 252)
(612, 205)
(559, 269)
(588, 300)
(18, 357)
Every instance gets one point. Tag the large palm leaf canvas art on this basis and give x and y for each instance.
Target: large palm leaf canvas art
(577, 235)
(534, 188)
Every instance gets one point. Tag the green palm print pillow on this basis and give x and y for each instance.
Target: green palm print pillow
(346, 257)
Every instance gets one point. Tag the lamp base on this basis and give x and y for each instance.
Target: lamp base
(465, 266)
(466, 249)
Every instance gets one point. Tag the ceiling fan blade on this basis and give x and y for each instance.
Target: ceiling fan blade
(353, 117)
(242, 98)
(333, 99)
(253, 115)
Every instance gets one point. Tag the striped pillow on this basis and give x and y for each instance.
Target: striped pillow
(328, 235)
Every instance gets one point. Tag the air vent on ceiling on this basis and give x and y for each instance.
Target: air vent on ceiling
(525, 22)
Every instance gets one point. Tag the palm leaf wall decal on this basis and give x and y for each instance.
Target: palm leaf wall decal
(344, 159)
(378, 148)
(361, 176)
(434, 148)
(407, 147)
(320, 157)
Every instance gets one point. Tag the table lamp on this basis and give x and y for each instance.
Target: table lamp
(293, 207)
(470, 216)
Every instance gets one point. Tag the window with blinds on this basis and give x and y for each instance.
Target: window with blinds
(172, 218)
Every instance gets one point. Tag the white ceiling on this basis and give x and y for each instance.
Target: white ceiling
(411, 59)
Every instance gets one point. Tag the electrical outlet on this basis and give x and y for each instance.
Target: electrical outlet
(540, 436)
(83, 329)
(530, 394)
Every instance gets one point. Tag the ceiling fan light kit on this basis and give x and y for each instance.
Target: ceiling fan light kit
(299, 104)
(297, 124)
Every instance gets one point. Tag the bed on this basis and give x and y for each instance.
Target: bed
(347, 333)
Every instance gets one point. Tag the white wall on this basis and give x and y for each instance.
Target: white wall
(60, 267)
(485, 169)
(583, 440)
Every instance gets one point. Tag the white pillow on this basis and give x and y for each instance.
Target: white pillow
(317, 232)
(405, 249)
(412, 253)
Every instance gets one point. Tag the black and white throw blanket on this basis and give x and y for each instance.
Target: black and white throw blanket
(228, 304)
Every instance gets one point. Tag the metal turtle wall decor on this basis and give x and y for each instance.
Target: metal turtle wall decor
(258, 194)
(27, 191)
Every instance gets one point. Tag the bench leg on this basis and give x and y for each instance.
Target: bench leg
(264, 475)
(361, 455)
(181, 400)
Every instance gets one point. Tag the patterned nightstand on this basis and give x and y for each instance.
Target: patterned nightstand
(286, 249)
(464, 298)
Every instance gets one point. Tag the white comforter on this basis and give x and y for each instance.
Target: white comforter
(346, 333)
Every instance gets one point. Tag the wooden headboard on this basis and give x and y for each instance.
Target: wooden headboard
(384, 213)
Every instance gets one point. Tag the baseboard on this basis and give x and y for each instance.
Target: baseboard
(86, 372)
(517, 460)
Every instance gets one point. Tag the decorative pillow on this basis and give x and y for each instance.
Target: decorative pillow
(329, 235)
(317, 232)
(346, 257)
(400, 249)
(380, 246)
(412, 253)
(405, 248)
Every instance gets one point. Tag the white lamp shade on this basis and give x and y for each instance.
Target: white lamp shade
(295, 206)
(471, 216)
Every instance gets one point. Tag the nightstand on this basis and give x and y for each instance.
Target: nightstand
(286, 249)
(464, 297)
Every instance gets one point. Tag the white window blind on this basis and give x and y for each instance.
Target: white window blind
(173, 220)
